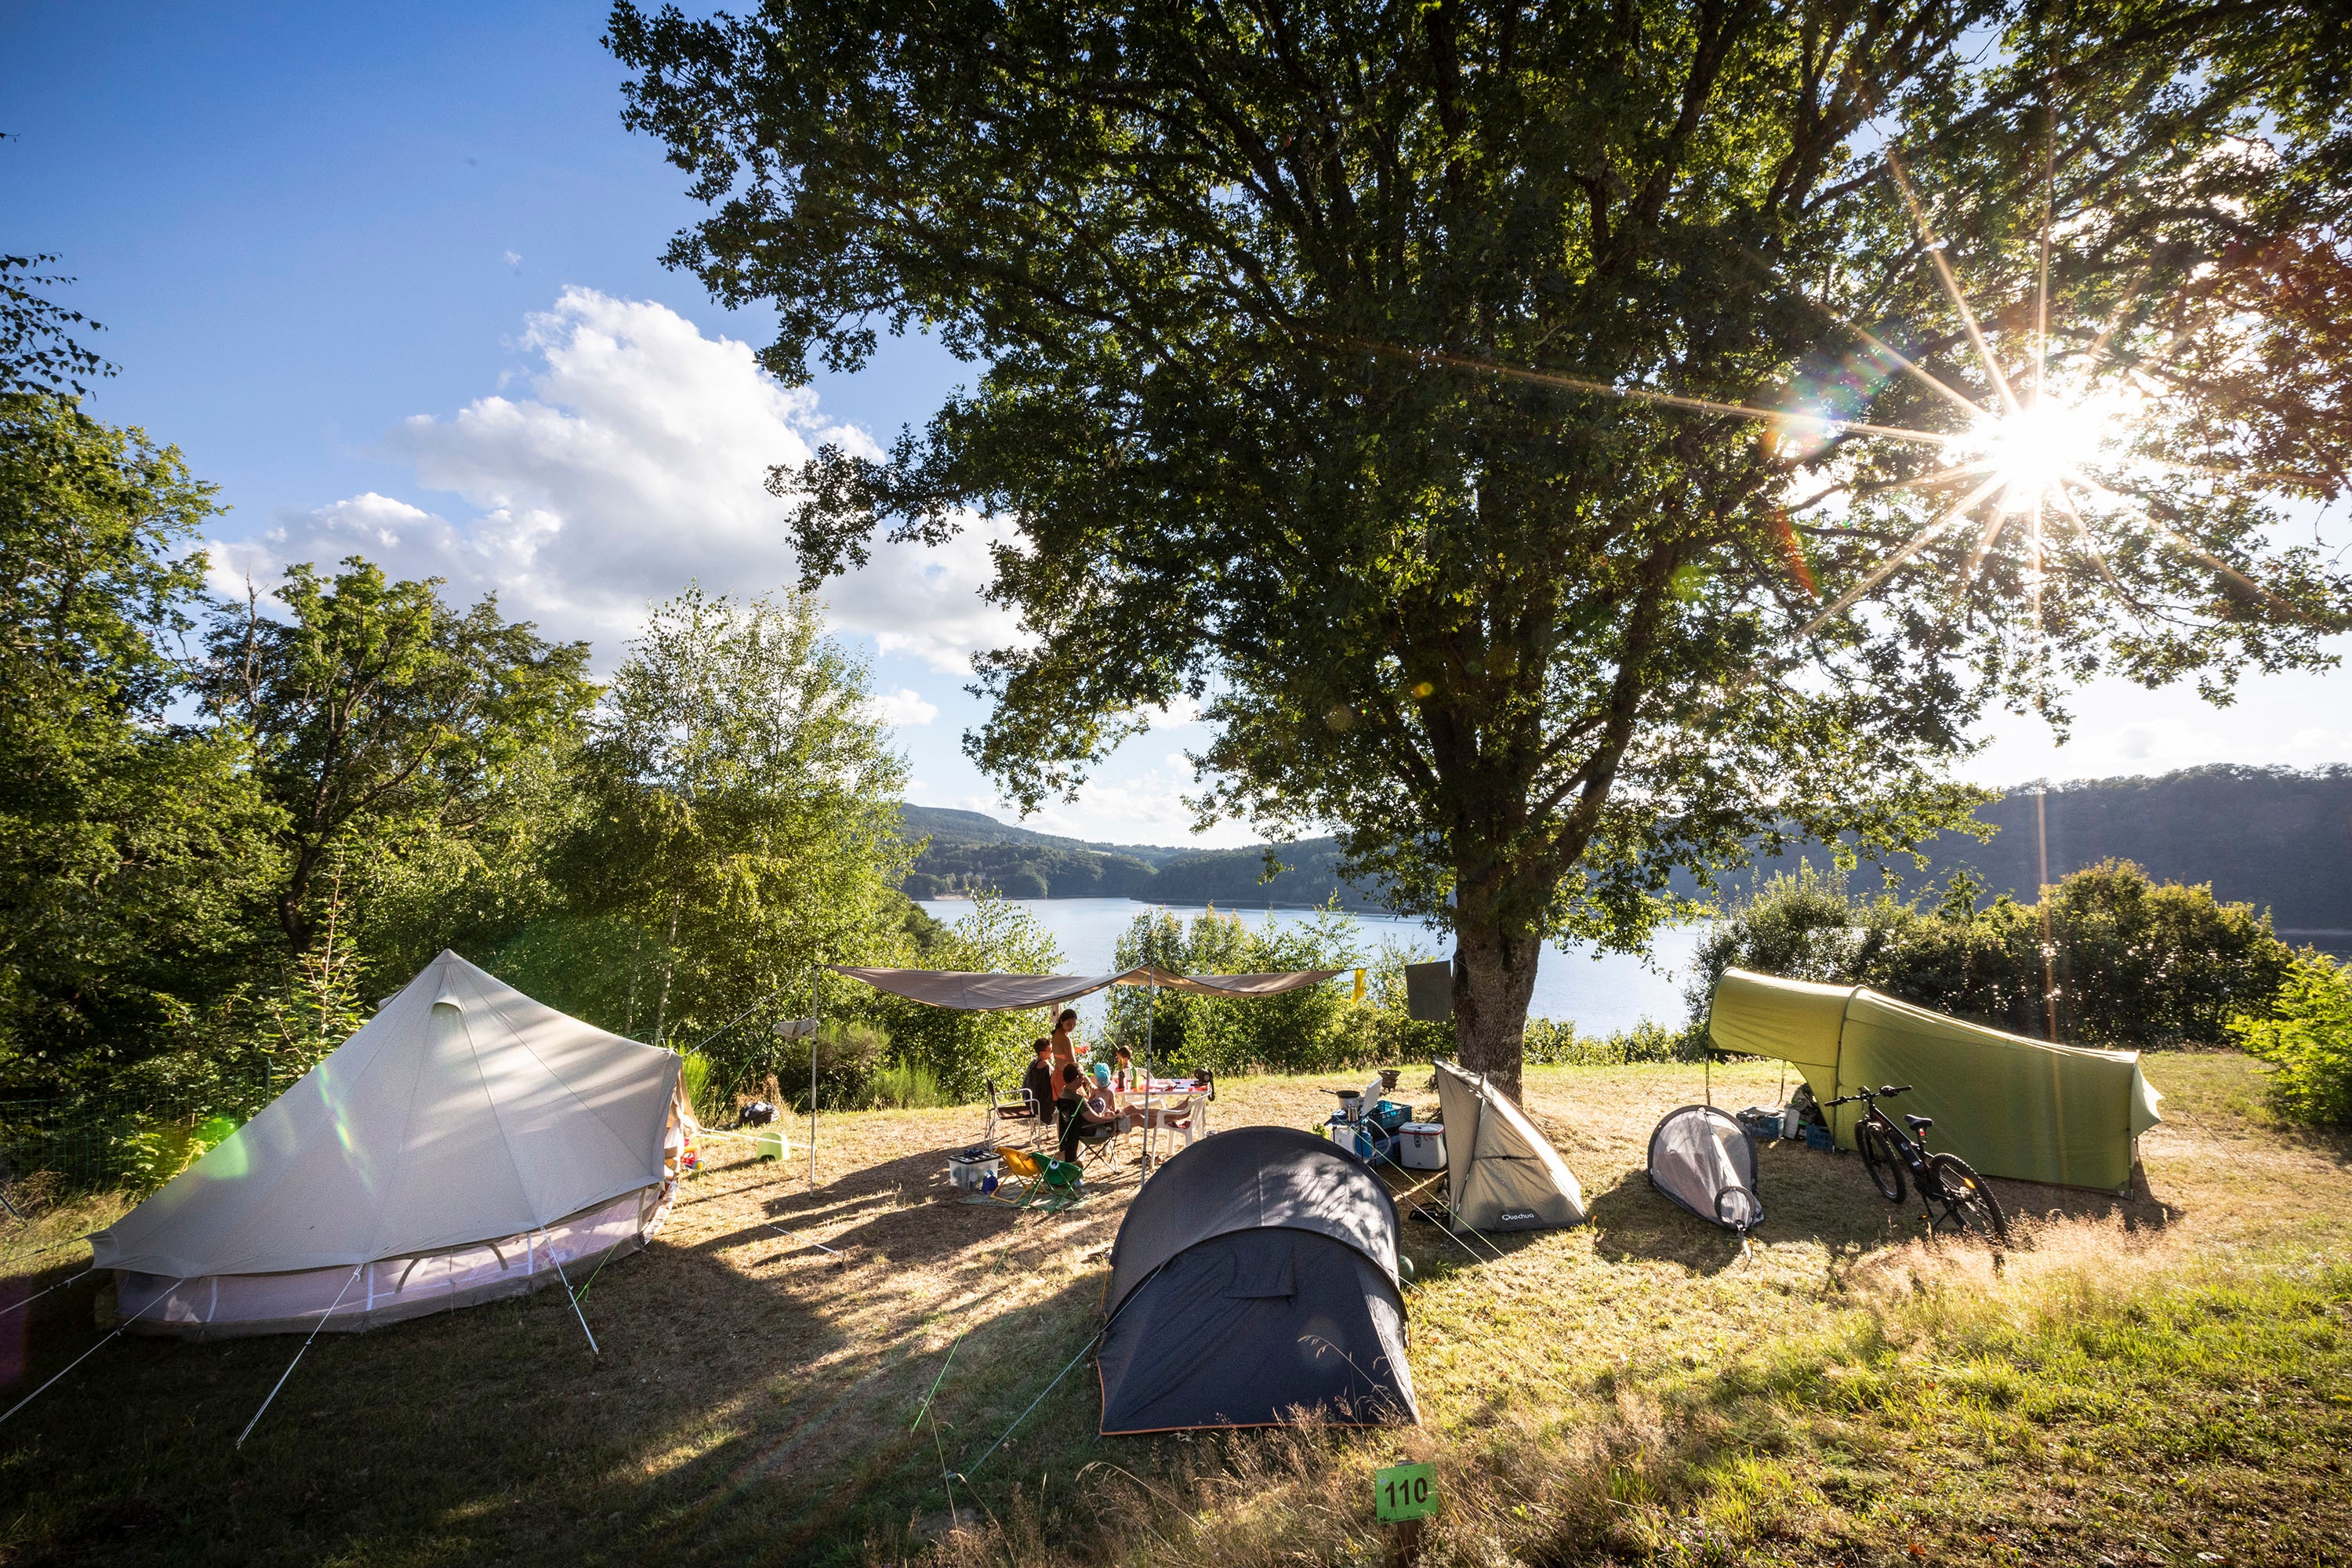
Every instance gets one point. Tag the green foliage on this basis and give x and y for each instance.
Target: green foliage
(133, 850)
(742, 819)
(379, 715)
(2307, 1038)
(1553, 1043)
(2130, 963)
(1297, 329)
(848, 1054)
(1290, 1033)
(38, 355)
(962, 1049)
(904, 1087)
(694, 1077)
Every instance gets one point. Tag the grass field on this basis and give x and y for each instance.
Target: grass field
(2157, 1379)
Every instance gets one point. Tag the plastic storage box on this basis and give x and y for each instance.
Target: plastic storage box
(967, 1170)
(1421, 1146)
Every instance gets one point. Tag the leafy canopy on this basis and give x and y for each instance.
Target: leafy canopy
(1316, 343)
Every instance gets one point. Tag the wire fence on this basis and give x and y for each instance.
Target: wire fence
(71, 1145)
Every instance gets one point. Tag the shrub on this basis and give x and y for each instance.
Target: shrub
(1300, 1031)
(904, 1087)
(2130, 963)
(694, 1077)
(2306, 1037)
(848, 1052)
(1550, 1042)
(960, 1050)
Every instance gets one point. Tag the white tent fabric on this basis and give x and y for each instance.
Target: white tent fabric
(1501, 1173)
(464, 1118)
(1705, 1161)
(967, 992)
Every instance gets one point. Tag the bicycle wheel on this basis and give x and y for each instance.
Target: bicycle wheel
(1968, 1197)
(1878, 1155)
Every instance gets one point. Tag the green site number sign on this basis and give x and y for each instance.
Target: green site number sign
(1405, 1492)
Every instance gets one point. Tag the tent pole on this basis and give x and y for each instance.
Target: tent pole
(290, 1366)
(1150, 1008)
(816, 1019)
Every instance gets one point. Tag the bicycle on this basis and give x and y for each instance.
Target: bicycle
(1946, 1179)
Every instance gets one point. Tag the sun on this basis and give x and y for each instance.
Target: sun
(2033, 453)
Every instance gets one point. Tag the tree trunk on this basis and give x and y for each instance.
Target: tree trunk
(1493, 979)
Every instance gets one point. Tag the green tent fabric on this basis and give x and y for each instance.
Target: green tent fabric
(2008, 1105)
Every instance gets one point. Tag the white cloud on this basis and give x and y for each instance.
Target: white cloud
(637, 462)
(511, 259)
(904, 706)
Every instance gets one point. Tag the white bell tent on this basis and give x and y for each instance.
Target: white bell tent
(466, 1143)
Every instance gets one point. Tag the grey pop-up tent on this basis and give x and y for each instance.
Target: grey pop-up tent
(1501, 1174)
(1705, 1161)
(466, 1142)
(1255, 1277)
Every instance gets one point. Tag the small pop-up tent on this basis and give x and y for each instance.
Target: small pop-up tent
(1501, 1174)
(1705, 1161)
(1255, 1276)
(466, 1143)
(2009, 1106)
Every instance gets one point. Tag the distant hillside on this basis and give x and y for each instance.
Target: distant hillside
(2276, 839)
(969, 850)
(2272, 837)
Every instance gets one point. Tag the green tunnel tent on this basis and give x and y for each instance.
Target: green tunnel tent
(2010, 1106)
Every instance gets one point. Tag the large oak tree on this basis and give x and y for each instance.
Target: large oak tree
(1315, 347)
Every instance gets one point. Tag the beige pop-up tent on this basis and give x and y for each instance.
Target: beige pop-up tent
(2008, 1105)
(466, 1143)
(1501, 1174)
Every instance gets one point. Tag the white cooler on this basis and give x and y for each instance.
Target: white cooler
(1421, 1146)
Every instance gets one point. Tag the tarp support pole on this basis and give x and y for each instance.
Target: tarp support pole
(1150, 1010)
(814, 970)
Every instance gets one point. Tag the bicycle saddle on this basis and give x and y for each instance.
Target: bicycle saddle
(1920, 1123)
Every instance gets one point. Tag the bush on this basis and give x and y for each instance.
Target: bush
(1300, 1031)
(694, 1077)
(849, 1053)
(2130, 963)
(2306, 1037)
(903, 1086)
(1551, 1044)
(961, 1049)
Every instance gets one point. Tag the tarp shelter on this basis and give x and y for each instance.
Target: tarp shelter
(968, 992)
(1501, 1174)
(1705, 1161)
(1256, 1276)
(460, 1146)
(2008, 1105)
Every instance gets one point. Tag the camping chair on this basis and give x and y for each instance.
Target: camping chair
(1023, 1108)
(1037, 1181)
(1097, 1140)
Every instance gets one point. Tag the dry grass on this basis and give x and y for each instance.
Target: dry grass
(1634, 1389)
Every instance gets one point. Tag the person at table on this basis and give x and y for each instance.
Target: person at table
(1064, 1040)
(1037, 1084)
(1076, 1109)
(1122, 1077)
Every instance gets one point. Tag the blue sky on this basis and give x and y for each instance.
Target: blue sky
(393, 282)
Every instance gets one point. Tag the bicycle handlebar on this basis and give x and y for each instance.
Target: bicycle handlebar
(1886, 1091)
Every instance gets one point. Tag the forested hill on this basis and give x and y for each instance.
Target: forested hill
(969, 850)
(2274, 838)
(2277, 839)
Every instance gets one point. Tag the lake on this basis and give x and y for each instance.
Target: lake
(1600, 994)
